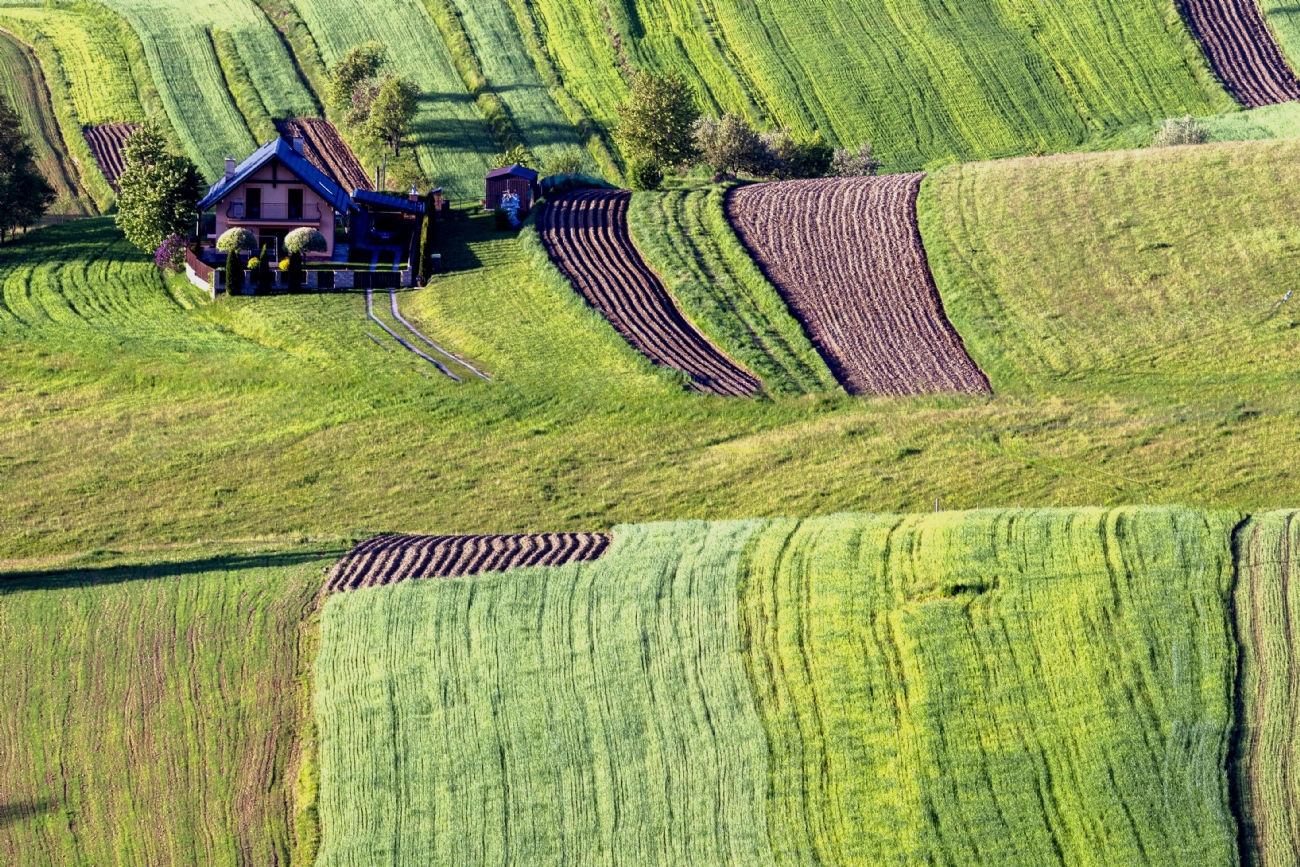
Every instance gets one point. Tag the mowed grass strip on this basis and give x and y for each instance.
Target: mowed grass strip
(154, 705)
(998, 687)
(549, 715)
(24, 88)
(1267, 755)
(451, 138)
(1128, 272)
(687, 240)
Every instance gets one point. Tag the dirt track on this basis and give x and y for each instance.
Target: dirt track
(847, 256)
(586, 235)
(107, 142)
(1242, 51)
(388, 559)
(326, 149)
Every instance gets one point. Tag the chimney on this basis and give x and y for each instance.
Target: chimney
(297, 143)
(414, 196)
(230, 167)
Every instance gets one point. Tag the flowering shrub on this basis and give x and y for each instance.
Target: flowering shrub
(170, 256)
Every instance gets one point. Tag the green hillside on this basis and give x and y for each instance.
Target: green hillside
(988, 80)
(155, 704)
(848, 690)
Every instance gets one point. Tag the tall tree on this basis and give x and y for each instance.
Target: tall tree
(357, 69)
(159, 190)
(24, 193)
(392, 111)
(657, 121)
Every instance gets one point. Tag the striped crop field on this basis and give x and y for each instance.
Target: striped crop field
(451, 138)
(94, 62)
(154, 708)
(1267, 604)
(844, 690)
(986, 80)
(23, 85)
(178, 44)
(685, 237)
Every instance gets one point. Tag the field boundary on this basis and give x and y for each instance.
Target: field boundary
(1242, 50)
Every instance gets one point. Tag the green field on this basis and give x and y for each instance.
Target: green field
(991, 79)
(24, 87)
(452, 139)
(177, 40)
(155, 704)
(848, 690)
(685, 237)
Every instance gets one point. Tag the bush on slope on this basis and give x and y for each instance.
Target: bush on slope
(966, 688)
(992, 79)
(153, 707)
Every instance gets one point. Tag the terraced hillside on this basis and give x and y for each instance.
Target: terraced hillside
(986, 80)
(855, 689)
(586, 235)
(24, 87)
(846, 256)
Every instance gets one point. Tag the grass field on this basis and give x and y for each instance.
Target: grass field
(685, 237)
(1283, 19)
(451, 137)
(993, 79)
(1267, 753)
(1128, 272)
(854, 689)
(178, 46)
(154, 704)
(24, 87)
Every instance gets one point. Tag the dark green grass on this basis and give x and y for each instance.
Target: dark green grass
(155, 704)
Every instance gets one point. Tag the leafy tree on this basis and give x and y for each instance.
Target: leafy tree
(567, 161)
(792, 158)
(644, 174)
(393, 109)
(159, 190)
(516, 156)
(855, 164)
(357, 68)
(24, 193)
(730, 146)
(657, 122)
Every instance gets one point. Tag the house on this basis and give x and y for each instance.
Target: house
(513, 179)
(273, 192)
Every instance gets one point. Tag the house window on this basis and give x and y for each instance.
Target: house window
(253, 195)
(295, 203)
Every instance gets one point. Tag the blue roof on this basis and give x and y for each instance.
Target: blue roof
(294, 162)
(515, 171)
(397, 203)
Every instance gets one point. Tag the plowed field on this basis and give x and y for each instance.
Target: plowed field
(846, 255)
(389, 559)
(107, 141)
(327, 150)
(1242, 51)
(586, 235)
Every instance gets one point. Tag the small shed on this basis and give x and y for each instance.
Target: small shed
(513, 179)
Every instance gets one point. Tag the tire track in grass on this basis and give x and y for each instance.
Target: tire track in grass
(411, 328)
(370, 312)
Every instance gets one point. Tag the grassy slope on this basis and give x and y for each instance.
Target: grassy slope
(1268, 751)
(1283, 18)
(451, 137)
(175, 34)
(686, 239)
(992, 79)
(900, 675)
(1143, 272)
(24, 87)
(92, 58)
(153, 703)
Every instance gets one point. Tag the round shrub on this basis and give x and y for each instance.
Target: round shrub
(305, 240)
(1185, 131)
(235, 240)
(644, 174)
(170, 256)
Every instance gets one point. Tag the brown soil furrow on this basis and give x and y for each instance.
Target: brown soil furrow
(585, 233)
(388, 559)
(326, 150)
(1242, 51)
(847, 256)
(107, 141)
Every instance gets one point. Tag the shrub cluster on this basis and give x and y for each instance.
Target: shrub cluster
(1181, 131)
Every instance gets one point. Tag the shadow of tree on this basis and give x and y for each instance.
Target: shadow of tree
(16, 813)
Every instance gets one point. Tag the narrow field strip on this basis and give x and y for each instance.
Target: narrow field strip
(370, 312)
(1267, 757)
(327, 150)
(846, 255)
(586, 234)
(397, 314)
(1242, 51)
(107, 142)
(389, 559)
